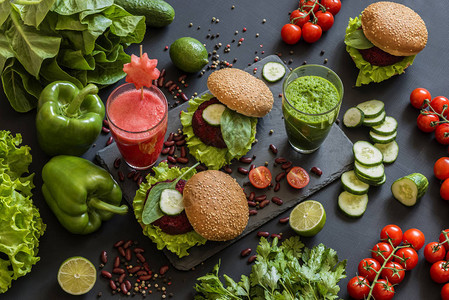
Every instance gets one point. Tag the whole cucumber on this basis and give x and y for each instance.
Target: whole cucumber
(158, 13)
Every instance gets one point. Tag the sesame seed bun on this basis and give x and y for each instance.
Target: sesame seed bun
(240, 91)
(215, 205)
(394, 28)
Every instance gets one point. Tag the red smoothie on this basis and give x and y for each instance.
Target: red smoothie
(138, 125)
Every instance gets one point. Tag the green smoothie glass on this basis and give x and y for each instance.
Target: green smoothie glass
(311, 101)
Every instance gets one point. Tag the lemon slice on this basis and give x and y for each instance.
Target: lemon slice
(77, 275)
(308, 218)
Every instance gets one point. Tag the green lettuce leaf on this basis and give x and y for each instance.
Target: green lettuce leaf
(180, 243)
(369, 73)
(236, 131)
(358, 40)
(214, 158)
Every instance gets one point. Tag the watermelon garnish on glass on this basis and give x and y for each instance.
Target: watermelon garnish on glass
(141, 71)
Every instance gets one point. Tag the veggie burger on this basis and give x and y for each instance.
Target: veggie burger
(384, 40)
(221, 125)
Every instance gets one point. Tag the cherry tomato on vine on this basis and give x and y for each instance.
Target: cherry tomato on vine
(427, 122)
(442, 133)
(439, 271)
(445, 292)
(298, 178)
(325, 20)
(393, 272)
(381, 251)
(260, 177)
(383, 290)
(368, 268)
(392, 232)
(439, 103)
(407, 258)
(358, 287)
(441, 168)
(332, 6)
(291, 33)
(434, 252)
(311, 32)
(442, 239)
(307, 6)
(415, 238)
(299, 18)
(447, 255)
(444, 190)
(418, 96)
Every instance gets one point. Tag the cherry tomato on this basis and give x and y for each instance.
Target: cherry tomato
(299, 18)
(447, 255)
(443, 240)
(311, 32)
(298, 177)
(381, 251)
(260, 177)
(442, 133)
(427, 122)
(434, 252)
(439, 103)
(393, 272)
(444, 189)
(368, 267)
(325, 20)
(332, 6)
(307, 6)
(445, 292)
(358, 287)
(439, 271)
(383, 290)
(441, 168)
(291, 33)
(393, 233)
(415, 238)
(407, 258)
(418, 96)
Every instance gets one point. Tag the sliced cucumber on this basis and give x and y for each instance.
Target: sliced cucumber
(390, 151)
(410, 188)
(171, 202)
(372, 108)
(371, 182)
(389, 126)
(366, 154)
(377, 183)
(273, 71)
(352, 184)
(212, 114)
(353, 117)
(352, 205)
(374, 173)
(382, 139)
(370, 122)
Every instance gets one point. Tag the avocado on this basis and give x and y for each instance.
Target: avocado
(158, 13)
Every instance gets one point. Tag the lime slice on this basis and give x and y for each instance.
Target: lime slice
(308, 218)
(77, 275)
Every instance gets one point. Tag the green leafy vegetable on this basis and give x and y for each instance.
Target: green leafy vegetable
(236, 131)
(281, 272)
(20, 223)
(358, 40)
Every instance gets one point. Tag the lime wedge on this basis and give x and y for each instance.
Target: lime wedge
(308, 218)
(77, 275)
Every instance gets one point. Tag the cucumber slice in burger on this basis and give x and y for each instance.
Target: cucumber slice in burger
(171, 202)
(273, 71)
(212, 114)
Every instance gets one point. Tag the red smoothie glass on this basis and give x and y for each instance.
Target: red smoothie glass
(138, 124)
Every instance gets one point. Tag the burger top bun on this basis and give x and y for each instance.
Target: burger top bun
(394, 28)
(241, 92)
(215, 205)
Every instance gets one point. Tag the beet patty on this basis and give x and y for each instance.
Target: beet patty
(378, 57)
(208, 134)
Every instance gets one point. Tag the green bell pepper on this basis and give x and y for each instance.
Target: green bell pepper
(68, 119)
(80, 193)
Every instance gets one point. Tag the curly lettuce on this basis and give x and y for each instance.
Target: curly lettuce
(369, 73)
(179, 243)
(213, 157)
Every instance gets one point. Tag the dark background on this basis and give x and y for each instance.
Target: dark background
(352, 239)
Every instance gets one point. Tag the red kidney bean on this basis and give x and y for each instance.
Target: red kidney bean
(252, 212)
(169, 143)
(183, 151)
(178, 137)
(160, 81)
(168, 83)
(286, 165)
(245, 160)
(170, 136)
(118, 271)
(127, 244)
(180, 142)
(260, 198)
(121, 278)
(146, 267)
(172, 150)
(109, 141)
(124, 289)
(227, 169)
(117, 162)
(182, 77)
(275, 235)
(277, 186)
(201, 168)
(121, 251)
(284, 220)
(277, 200)
(165, 151)
(139, 250)
(104, 257)
(140, 180)
(280, 160)
(162, 74)
(316, 171)
(106, 274)
(121, 176)
(251, 197)
(245, 252)
(116, 262)
(112, 285)
(172, 87)
(128, 285)
(263, 233)
(145, 277)
(163, 269)
(171, 159)
(136, 176)
(243, 171)
(184, 97)
(141, 272)
(140, 257)
(105, 130)
(252, 203)
(273, 149)
(164, 161)
(252, 167)
(106, 123)
(182, 160)
(280, 176)
(264, 203)
(128, 254)
(134, 269)
(130, 175)
(252, 258)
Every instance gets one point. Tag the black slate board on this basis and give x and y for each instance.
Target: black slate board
(332, 166)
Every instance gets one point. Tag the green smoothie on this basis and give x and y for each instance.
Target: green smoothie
(310, 107)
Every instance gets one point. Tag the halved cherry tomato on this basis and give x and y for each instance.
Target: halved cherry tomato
(260, 177)
(358, 288)
(415, 238)
(418, 96)
(442, 239)
(441, 168)
(434, 252)
(368, 268)
(298, 177)
(407, 258)
(299, 18)
(427, 122)
(382, 251)
(325, 20)
(391, 232)
(440, 103)
(393, 272)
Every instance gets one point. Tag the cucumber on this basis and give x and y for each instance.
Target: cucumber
(171, 202)
(273, 71)
(373, 173)
(382, 139)
(372, 108)
(370, 122)
(353, 117)
(352, 205)
(410, 188)
(157, 13)
(371, 182)
(388, 127)
(366, 154)
(212, 114)
(390, 151)
(352, 184)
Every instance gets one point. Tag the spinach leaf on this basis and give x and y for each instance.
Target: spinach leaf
(358, 40)
(76, 60)
(70, 7)
(5, 50)
(5, 9)
(71, 22)
(51, 71)
(128, 27)
(34, 14)
(236, 131)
